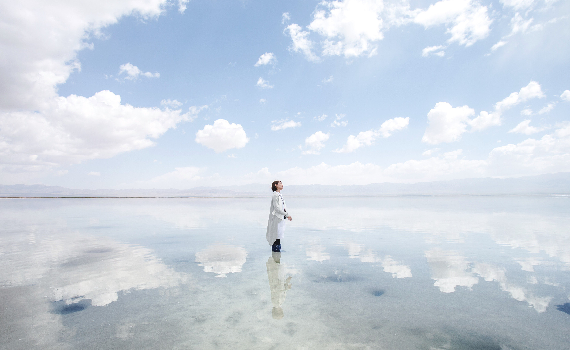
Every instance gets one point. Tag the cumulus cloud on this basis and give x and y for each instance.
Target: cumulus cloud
(284, 124)
(547, 108)
(350, 26)
(519, 24)
(367, 138)
(133, 72)
(33, 65)
(41, 130)
(72, 129)
(532, 90)
(265, 59)
(565, 96)
(193, 111)
(222, 136)
(499, 44)
(436, 50)
(447, 124)
(301, 41)
(551, 153)
(264, 84)
(524, 128)
(315, 142)
(321, 117)
(171, 103)
(517, 4)
(182, 5)
(467, 20)
(338, 121)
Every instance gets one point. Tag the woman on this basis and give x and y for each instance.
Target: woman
(277, 214)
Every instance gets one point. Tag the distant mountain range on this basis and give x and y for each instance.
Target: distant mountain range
(549, 184)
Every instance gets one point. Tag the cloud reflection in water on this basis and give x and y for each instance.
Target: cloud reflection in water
(222, 259)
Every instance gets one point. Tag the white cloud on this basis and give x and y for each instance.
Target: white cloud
(391, 125)
(171, 103)
(42, 130)
(262, 100)
(446, 123)
(526, 111)
(500, 43)
(467, 20)
(94, 173)
(72, 129)
(429, 152)
(284, 124)
(321, 117)
(301, 42)
(485, 119)
(315, 142)
(532, 90)
(193, 111)
(547, 108)
(262, 83)
(524, 128)
(44, 40)
(222, 136)
(285, 17)
(519, 25)
(133, 72)
(565, 95)
(367, 138)
(426, 51)
(549, 154)
(266, 58)
(338, 121)
(350, 27)
(182, 5)
(517, 4)
(328, 80)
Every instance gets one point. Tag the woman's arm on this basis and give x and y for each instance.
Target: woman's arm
(277, 207)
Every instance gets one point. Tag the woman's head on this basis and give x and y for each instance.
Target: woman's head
(274, 185)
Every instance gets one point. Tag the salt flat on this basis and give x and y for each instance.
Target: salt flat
(456, 272)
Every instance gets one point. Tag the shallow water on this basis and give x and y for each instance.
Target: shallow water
(355, 273)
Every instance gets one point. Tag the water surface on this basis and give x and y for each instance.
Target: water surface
(356, 273)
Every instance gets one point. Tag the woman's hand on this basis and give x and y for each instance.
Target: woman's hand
(290, 218)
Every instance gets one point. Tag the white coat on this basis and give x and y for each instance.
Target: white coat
(276, 215)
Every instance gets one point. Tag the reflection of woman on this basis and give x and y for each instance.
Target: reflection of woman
(277, 283)
(277, 214)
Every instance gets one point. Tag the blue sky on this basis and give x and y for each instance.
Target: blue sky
(179, 94)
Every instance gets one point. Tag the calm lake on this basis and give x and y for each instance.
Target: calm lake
(355, 273)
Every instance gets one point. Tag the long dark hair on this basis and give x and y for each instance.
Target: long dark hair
(274, 185)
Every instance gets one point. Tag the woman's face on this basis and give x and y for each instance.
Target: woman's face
(279, 186)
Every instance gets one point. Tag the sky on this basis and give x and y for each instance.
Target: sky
(182, 94)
